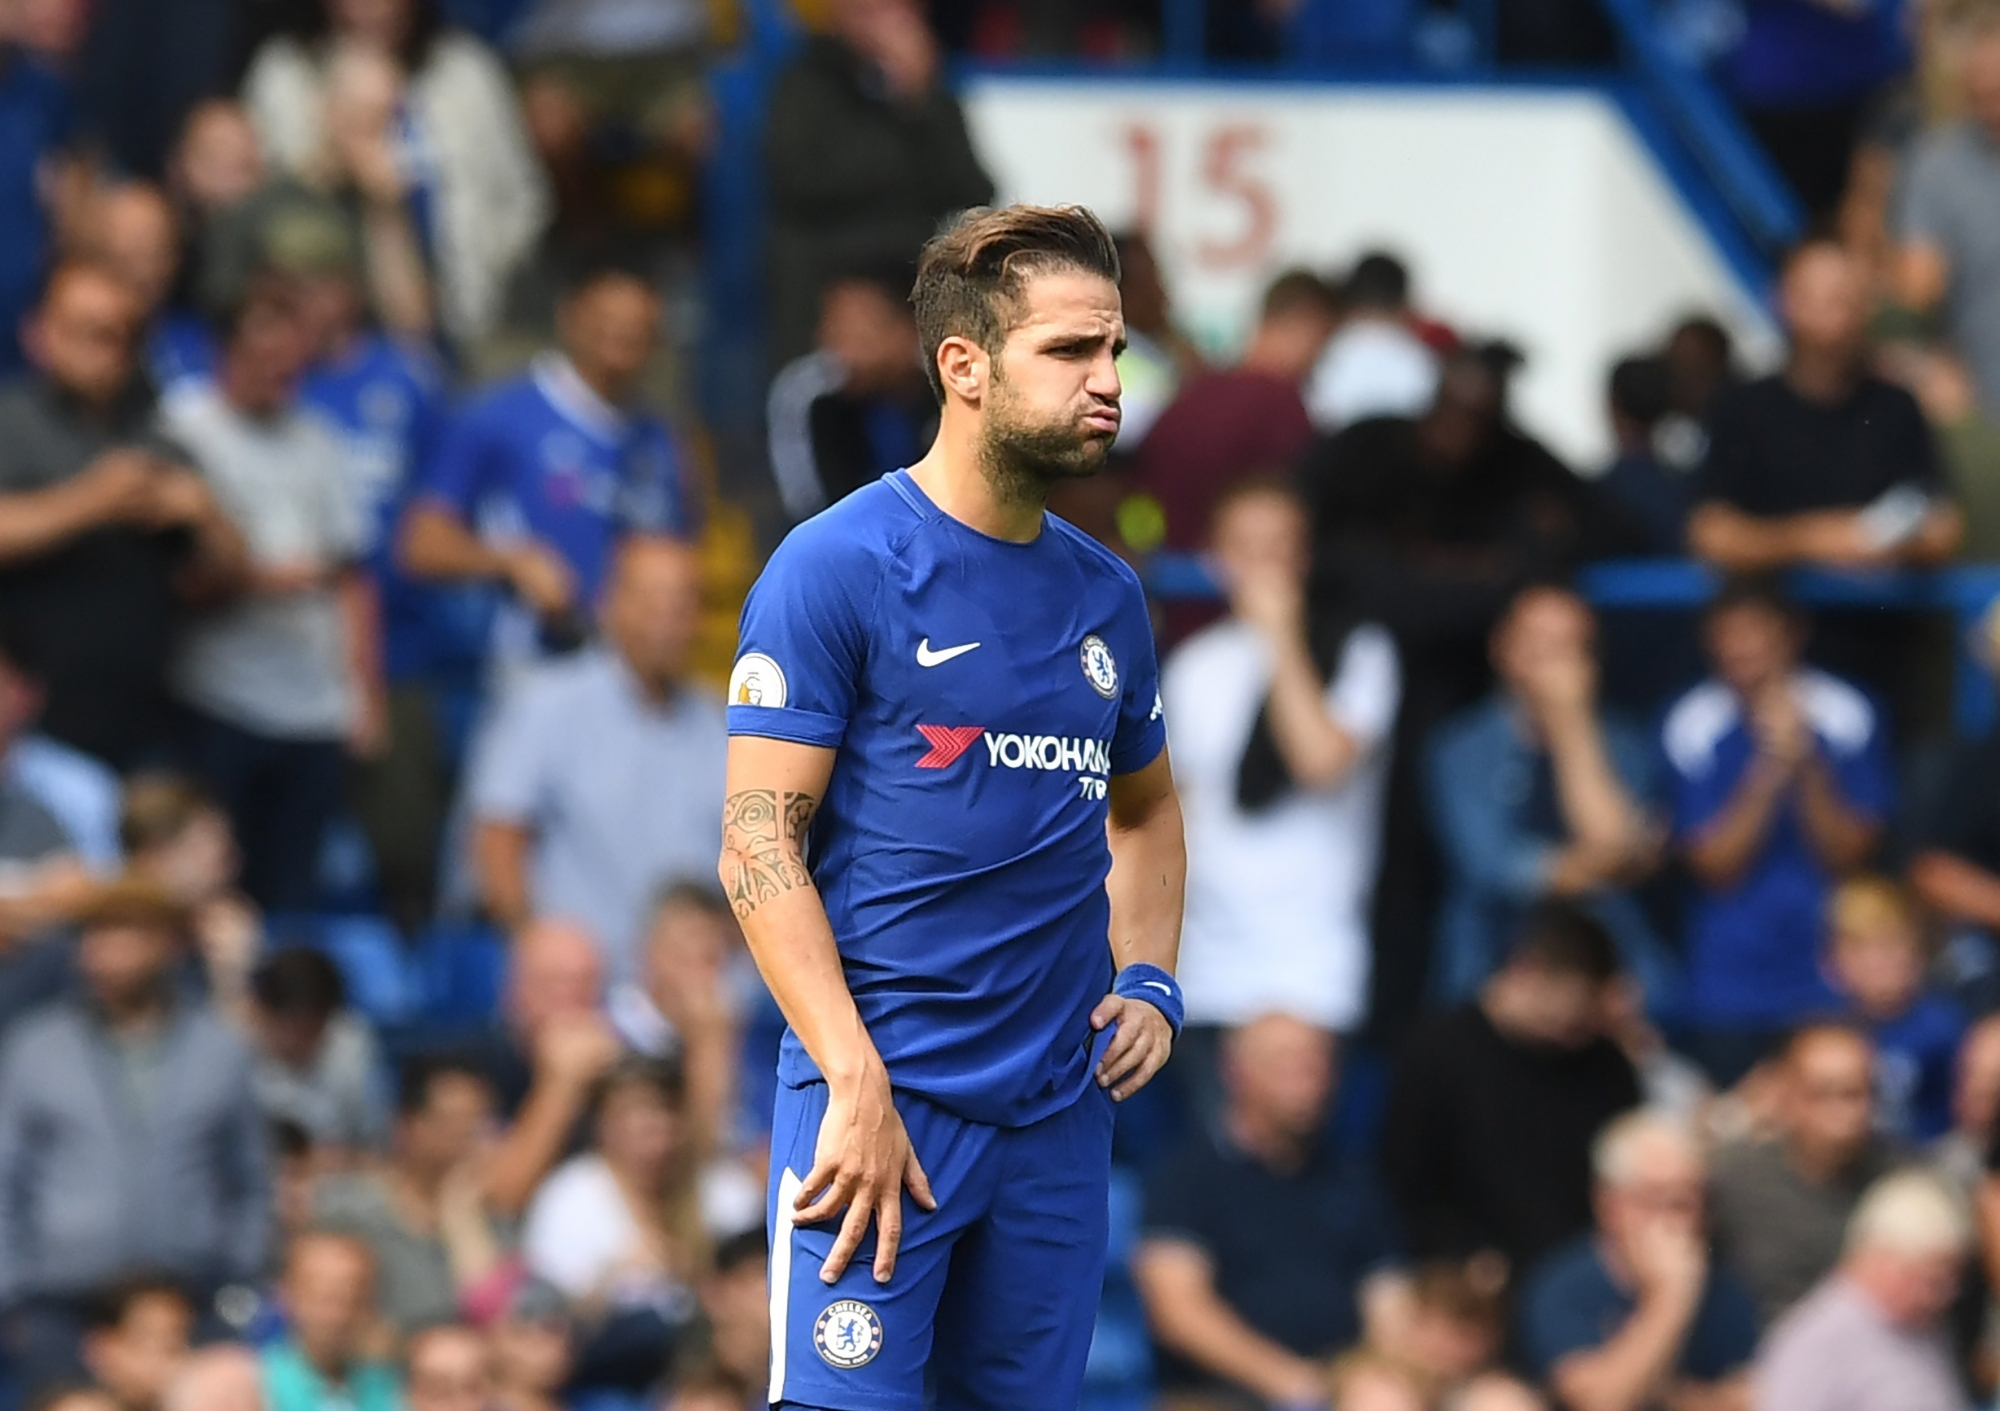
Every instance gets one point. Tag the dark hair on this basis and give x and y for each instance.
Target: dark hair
(745, 1247)
(426, 24)
(1641, 389)
(1298, 291)
(971, 274)
(582, 272)
(658, 1075)
(686, 892)
(1562, 939)
(18, 648)
(1760, 591)
(418, 1077)
(1378, 283)
(1708, 329)
(112, 1305)
(265, 292)
(298, 982)
(159, 805)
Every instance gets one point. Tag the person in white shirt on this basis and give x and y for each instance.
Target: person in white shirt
(1280, 729)
(1375, 365)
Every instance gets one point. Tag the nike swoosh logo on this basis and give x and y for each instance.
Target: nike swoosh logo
(1155, 984)
(927, 657)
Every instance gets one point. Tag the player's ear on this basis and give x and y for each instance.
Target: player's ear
(962, 368)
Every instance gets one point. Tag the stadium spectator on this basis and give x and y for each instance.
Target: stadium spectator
(1948, 260)
(1493, 1105)
(619, 1228)
(1782, 1202)
(1362, 1380)
(37, 121)
(75, 789)
(1495, 1391)
(217, 165)
(545, 1055)
(1780, 781)
(1281, 729)
(1636, 1315)
(283, 681)
(450, 1369)
(421, 1213)
(865, 151)
(1231, 424)
(1158, 357)
(1256, 1242)
(129, 1136)
(1540, 793)
(532, 1349)
(688, 1003)
(1821, 462)
(738, 1312)
(1430, 526)
(1445, 1322)
(221, 1377)
(479, 199)
(138, 1342)
(177, 837)
(1878, 962)
(386, 395)
(132, 228)
(857, 406)
(103, 529)
(72, 1398)
(601, 778)
(1955, 871)
(327, 1288)
(535, 481)
(318, 1063)
(1873, 1334)
(1959, 1156)
(1375, 364)
(1654, 494)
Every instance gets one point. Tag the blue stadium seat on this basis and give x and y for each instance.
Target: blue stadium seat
(461, 970)
(1119, 1373)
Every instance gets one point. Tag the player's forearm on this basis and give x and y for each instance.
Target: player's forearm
(764, 875)
(1147, 884)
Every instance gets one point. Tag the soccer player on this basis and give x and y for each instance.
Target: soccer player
(952, 838)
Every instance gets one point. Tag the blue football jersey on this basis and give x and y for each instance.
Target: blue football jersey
(979, 695)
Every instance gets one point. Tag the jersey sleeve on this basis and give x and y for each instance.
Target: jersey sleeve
(802, 642)
(1142, 726)
(458, 467)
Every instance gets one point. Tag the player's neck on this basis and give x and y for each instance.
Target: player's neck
(951, 474)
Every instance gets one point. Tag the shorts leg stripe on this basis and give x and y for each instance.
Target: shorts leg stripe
(781, 1279)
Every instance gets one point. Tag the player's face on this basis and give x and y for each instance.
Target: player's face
(1052, 410)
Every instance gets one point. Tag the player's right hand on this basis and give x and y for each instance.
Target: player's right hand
(862, 1161)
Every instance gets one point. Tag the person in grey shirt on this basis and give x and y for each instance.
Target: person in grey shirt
(1947, 216)
(1872, 1336)
(600, 780)
(105, 533)
(283, 679)
(129, 1136)
(1780, 1205)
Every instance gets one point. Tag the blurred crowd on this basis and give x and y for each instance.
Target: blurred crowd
(1589, 1007)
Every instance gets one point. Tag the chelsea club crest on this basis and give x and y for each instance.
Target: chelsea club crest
(1100, 668)
(848, 1334)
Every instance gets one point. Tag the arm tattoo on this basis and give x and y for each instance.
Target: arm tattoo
(763, 839)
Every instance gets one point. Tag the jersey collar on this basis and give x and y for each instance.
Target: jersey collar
(575, 400)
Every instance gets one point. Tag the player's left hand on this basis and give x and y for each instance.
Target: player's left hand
(1137, 1051)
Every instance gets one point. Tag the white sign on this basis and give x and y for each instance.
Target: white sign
(1533, 214)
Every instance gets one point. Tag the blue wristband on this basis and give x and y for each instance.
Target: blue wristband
(1155, 986)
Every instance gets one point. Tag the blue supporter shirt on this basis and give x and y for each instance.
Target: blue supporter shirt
(1916, 1060)
(1571, 1303)
(34, 123)
(386, 397)
(1753, 948)
(542, 456)
(979, 695)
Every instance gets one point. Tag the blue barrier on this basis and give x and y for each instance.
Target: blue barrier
(1680, 585)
